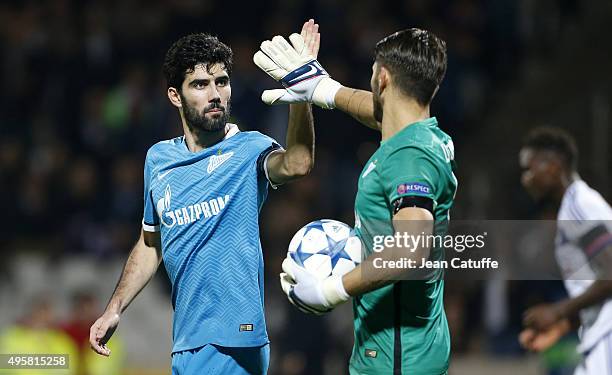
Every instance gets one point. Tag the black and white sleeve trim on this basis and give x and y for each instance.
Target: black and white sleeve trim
(150, 227)
(263, 162)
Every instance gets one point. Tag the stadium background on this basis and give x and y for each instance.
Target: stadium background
(82, 98)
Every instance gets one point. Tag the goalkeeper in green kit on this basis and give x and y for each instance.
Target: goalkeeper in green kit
(406, 189)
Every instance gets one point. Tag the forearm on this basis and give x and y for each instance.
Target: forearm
(358, 104)
(300, 138)
(410, 225)
(139, 268)
(372, 275)
(598, 292)
(297, 160)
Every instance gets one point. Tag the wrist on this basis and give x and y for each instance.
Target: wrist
(324, 94)
(333, 291)
(113, 308)
(564, 309)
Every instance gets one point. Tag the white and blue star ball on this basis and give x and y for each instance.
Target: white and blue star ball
(326, 247)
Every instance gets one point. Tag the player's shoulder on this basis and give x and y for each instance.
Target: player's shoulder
(582, 202)
(257, 136)
(165, 144)
(162, 148)
(424, 139)
(259, 141)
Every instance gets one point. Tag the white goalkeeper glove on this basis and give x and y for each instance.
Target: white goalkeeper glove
(309, 294)
(304, 79)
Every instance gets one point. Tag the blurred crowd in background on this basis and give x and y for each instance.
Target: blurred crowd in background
(83, 98)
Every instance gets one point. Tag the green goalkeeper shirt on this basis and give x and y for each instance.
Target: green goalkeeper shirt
(401, 328)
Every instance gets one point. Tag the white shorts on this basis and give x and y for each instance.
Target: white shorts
(598, 361)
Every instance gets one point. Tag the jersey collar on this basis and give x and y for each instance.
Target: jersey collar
(431, 121)
(231, 130)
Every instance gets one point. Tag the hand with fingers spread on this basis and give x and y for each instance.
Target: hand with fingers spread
(101, 331)
(295, 67)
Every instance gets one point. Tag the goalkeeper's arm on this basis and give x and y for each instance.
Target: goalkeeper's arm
(358, 104)
(313, 295)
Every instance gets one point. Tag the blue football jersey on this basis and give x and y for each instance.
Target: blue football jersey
(206, 206)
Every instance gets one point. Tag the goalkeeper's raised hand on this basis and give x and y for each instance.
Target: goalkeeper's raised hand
(292, 65)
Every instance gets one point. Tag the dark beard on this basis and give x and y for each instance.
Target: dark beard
(197, 121)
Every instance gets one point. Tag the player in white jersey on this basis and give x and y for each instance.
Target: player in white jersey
(583, 248)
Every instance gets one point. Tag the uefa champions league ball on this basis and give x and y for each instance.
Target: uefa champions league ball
(326, 247)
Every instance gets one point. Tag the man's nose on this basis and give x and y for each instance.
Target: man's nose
(214, 94)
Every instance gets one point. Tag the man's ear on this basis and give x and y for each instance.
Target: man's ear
(383, 80)
(175, 97)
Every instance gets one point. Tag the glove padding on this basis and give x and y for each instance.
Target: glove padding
(308, 293)
(304, 79)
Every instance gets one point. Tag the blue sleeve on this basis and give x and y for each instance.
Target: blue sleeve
(266, 146)
(150, 220)
(263, 157)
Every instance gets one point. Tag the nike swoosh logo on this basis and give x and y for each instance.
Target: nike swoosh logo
(311, 72)
(217, 160)
(162, 175)
(368, 170)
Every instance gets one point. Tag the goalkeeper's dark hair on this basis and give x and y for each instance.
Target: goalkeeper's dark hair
(417, 60)
(191, 50)
(547, 138)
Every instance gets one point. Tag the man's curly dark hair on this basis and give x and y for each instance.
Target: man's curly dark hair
(191, 50)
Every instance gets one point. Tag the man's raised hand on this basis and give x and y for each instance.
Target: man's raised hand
(294, 66)
(311, 36)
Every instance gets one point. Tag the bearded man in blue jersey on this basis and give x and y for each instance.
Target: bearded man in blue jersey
(202, 196)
